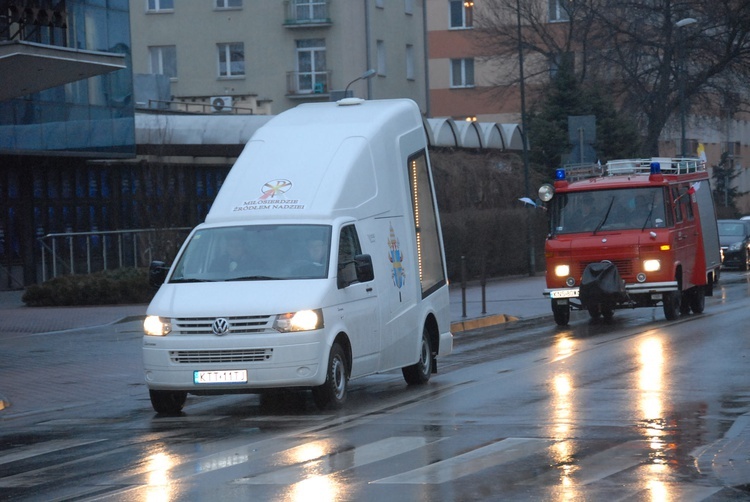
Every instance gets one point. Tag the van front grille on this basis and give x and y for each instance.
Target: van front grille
(220, 356)
(237, 325)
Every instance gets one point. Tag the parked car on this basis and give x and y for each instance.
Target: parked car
(734, 238)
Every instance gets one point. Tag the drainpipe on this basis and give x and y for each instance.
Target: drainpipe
(368, 47)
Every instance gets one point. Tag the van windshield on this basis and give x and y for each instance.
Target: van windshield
(608, 210)
(255, 253)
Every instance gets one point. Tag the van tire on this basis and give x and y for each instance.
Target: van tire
(168, 402)
(419, 373)
(332, 394)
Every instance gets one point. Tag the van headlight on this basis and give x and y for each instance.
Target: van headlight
(154, 325)
(304, 320)
(651, 265)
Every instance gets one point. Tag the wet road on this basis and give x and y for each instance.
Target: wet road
(595, 411)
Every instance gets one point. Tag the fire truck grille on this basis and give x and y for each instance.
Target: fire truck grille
(220, 356)
(624, 267)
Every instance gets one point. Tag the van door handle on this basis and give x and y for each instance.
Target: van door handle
(369, 290)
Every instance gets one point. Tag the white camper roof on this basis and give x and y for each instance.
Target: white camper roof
(320, 160)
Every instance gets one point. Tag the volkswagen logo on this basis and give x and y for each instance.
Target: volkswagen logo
(220, 327)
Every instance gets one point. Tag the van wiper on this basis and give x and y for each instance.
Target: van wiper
(601, 223)
(254, 278)
(188, 279)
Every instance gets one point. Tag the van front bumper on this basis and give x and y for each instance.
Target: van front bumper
(171, 363)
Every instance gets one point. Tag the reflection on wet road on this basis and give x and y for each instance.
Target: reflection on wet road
(596, 411)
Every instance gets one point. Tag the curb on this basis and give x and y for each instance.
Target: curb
(481, 322)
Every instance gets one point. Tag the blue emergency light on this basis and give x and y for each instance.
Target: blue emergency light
(655, 168)
(559, 174)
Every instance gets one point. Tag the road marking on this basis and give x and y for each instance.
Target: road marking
(501, 452)
(22, 453)
(333, 462)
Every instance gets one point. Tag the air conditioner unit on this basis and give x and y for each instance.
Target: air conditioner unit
(221, 104)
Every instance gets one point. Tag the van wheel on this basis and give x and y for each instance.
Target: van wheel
(167, 401)
(672, 303)
(698, 299)
(332, 394)
(561, 313)
(419, 373)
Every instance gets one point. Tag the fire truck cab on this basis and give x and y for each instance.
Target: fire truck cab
(631, 233)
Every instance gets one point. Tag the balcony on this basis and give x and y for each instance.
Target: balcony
(308, 84)
(307, 13)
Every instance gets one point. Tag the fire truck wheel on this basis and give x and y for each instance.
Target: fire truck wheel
(672, 305)
(561, 313)
(698, 300)
(607, 312)
(685, 302)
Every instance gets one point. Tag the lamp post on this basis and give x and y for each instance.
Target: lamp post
(369, 73)
(681, 83)
(525, 147)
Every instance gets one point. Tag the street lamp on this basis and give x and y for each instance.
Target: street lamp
(681, 83)
(524, 136)
(369, 73)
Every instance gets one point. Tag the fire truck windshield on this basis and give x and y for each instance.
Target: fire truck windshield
(608, 210)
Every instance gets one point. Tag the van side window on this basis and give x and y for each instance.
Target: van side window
(348, 248)
(427, 225)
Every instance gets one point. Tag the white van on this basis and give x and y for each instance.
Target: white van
(320, 260)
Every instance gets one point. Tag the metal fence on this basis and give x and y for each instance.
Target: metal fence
(87, 252)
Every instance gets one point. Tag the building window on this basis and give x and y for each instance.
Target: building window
(462, 72)
(231, 59)
(309, 10)
(380, 4)
(381, 57)
(228, 4)
(159, 5)
(163, 60)
(558, 10)
(462, 14)
(312, 76)
(409, 6)
(410, 62)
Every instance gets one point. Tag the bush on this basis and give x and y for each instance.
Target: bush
(109, 287)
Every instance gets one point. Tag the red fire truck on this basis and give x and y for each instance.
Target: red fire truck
(631, 233)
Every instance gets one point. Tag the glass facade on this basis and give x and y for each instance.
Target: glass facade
(91, 117)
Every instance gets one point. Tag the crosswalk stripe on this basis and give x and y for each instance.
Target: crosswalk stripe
(338, 461)
(501, 452)
(31, 451)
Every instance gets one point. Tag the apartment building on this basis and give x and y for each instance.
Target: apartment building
(264, 57)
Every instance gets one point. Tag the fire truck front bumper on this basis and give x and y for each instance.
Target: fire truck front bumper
(650, 288)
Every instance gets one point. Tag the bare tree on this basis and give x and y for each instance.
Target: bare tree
(650, 61)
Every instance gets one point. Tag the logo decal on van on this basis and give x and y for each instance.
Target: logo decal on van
(274, 188)
(396, 258)
(271, 198)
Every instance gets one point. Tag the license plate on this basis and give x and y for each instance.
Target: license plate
(228, 376)
(564, 293)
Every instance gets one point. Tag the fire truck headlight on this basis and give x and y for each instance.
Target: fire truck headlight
(651, 265)
(562, 270)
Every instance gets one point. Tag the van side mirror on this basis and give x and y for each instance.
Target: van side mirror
(363, 264)
(157, 273)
